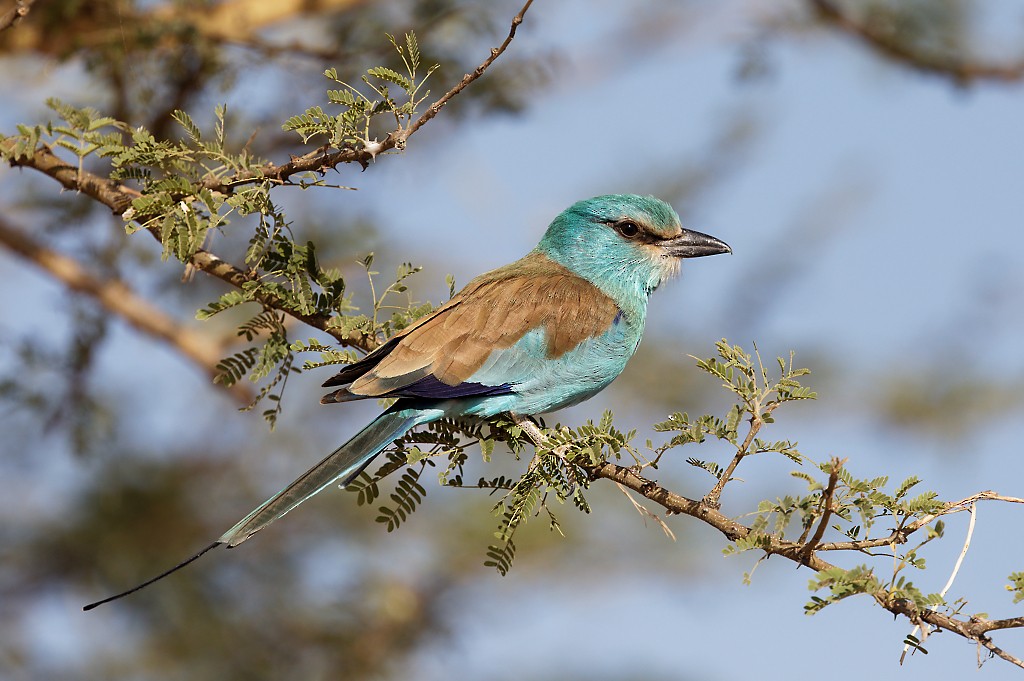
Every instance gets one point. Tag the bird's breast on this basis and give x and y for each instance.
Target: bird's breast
(579, 373)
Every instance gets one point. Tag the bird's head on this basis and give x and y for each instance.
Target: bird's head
(624, 243)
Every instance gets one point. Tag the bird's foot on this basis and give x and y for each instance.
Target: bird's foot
(530, 428)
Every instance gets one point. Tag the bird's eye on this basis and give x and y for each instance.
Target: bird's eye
(628, 229)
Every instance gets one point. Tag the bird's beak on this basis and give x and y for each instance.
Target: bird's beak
(692, 244)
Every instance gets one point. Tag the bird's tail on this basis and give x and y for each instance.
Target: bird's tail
(342, 466)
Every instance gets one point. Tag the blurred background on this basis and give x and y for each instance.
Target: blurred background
(864, 159)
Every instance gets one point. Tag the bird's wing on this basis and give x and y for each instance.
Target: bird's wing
(470, 346)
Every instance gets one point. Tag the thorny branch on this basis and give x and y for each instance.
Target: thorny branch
(961, 70)
(826, 508)
(974, 629)
(900, 534)
(321, 160)
(712, 497)
(118, 197)
(952, 577)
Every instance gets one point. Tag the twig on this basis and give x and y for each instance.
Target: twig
(116, 297)
(496, 52)
(973, 629)
(14, 15)
(534, 433)
(952, 577)
(999, 652)
(321, 160)
(941, 64)
(899, 535)
(826, 506)
(118, 197)
(647, 513)
(756, 421)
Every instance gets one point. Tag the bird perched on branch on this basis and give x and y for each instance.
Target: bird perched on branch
(545, 332)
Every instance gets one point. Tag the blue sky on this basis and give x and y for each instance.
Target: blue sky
(892, 203)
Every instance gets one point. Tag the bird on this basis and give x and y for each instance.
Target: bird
(545, 332)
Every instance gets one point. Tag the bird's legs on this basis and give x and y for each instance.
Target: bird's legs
(530, 427)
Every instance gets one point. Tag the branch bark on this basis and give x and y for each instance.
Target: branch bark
(120, 300)
(973, 629)
(118, 197)
(962, 71)
(14, 15)
(230, 21)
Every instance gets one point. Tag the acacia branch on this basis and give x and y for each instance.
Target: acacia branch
(960, 70)
(973, 629)
(756, 422)
(118, 197)
(900, 534)
(826, 508)
(119, 299)
(323, 159)
(496, 52)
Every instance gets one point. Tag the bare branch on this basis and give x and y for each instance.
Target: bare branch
(117, 298)
(647, 513)
(962, 71)
(999, 652)
(469, 77)
(986, 626)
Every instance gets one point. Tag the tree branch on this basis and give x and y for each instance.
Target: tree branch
(826, 508)
(14, 15)
(118, 197)
(230, 21)
(973, 629)
(756, 422)
(119, 299)
(468, 78)
(322, 160)
(900, 534)
(962, 71)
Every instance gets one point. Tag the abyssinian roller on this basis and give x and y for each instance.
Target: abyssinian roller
(545, 332)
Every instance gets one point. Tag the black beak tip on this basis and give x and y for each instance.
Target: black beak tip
(697, 245)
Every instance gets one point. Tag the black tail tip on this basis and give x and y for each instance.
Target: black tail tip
(132, 590)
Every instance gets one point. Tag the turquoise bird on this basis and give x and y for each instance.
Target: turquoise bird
(545, 332)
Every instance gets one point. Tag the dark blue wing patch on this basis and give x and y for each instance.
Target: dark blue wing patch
(428, 388)
(431, 388)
